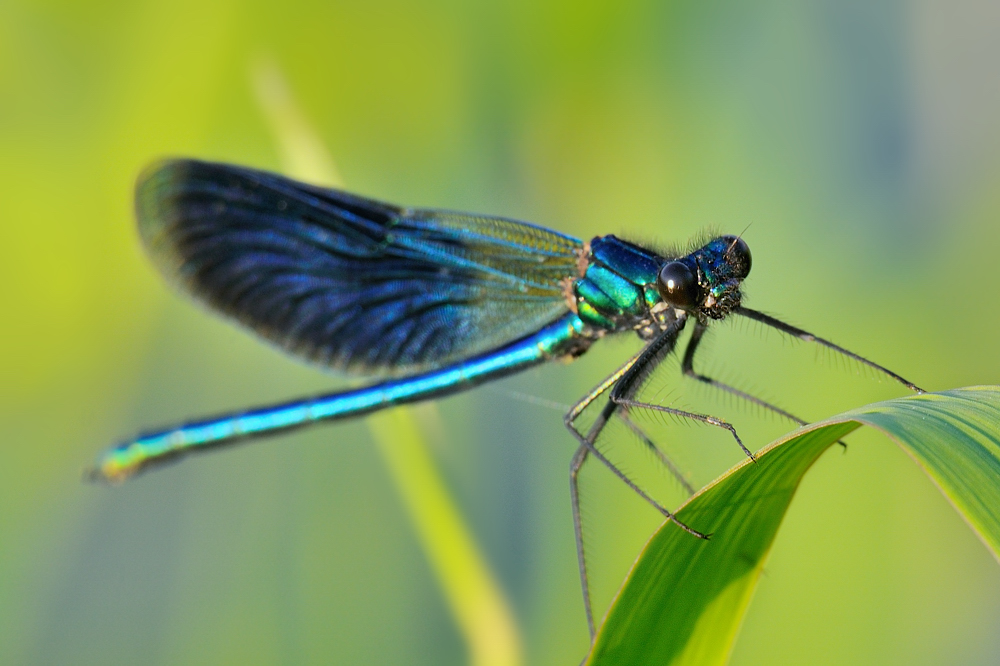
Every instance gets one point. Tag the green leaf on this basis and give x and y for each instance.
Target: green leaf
(685, 598)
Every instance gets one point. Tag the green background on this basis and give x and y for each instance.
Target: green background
(860, 140)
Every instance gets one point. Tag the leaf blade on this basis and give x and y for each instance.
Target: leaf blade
(684, 600)
(967, 476)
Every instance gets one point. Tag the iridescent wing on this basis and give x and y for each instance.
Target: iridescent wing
(348, 282)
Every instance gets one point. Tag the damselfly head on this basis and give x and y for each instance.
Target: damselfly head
(707, 281)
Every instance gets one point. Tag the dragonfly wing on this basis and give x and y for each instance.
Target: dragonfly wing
(345, 281)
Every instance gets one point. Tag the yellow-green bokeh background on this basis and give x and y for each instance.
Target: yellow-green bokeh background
(861, 140)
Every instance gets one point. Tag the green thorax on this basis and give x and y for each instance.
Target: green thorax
(618, 287)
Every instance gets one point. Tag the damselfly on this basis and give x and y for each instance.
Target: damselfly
(435, 301)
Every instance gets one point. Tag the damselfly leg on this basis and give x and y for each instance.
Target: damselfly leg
(587, 441)
(663, 458)
(587, 446)
(687, 367)
(623, 386)
(794, 331)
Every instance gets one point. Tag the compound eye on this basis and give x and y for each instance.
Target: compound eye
(738, 254)
(678, 286)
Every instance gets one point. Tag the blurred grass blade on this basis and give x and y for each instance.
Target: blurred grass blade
(303, 154)
(479, 607)
(475, 599)
(685, 598)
